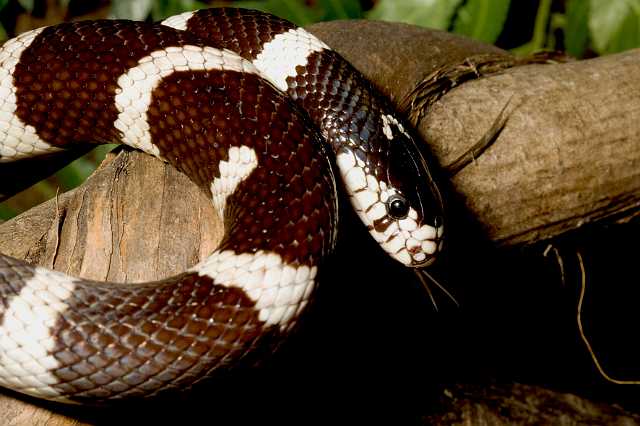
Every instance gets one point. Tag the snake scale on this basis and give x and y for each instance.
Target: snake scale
(258, 113)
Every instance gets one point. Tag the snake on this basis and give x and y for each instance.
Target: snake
(272, 125)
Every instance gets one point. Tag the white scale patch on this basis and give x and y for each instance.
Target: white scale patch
(178, 22)
(407, 242)
(280, 57)
(25, 336)
(387, 120)
(17, 139)
(136, 86)
(242, 161)
(279, 291)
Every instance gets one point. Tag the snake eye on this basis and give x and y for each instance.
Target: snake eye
(398, 207)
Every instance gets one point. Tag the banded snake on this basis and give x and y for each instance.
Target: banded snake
(258, 113)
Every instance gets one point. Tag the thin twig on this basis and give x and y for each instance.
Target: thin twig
(57, 228)
(583, 286)
(560, 261)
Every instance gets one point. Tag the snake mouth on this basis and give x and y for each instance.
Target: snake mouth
(424, 245)
(428, 261)
(417, 260)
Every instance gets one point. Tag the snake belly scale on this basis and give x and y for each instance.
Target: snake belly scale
(249, 107)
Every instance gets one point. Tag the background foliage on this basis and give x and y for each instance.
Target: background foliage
(583, 28)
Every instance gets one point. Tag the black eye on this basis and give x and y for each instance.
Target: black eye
(398, 207)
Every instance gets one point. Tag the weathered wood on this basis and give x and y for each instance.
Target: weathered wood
(507, 404)
(16, 412)
(135, 219)
(566, 156)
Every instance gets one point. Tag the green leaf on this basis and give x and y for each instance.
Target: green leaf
(427, 13)
(79, 170)
(482, 19)
(576, 33)
(27, 5)
(538, 41)
(341, 9)
(614, 25)
(126, 9)
(3, 32)
(74, 174)
(6, 212)
(293, 10)
(257, 4)
(162, 9)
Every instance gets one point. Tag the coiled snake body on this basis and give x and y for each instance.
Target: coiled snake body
(233, 123)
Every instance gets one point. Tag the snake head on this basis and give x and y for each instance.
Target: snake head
(396, 196)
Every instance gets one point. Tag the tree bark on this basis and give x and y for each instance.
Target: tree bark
(566, 155)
